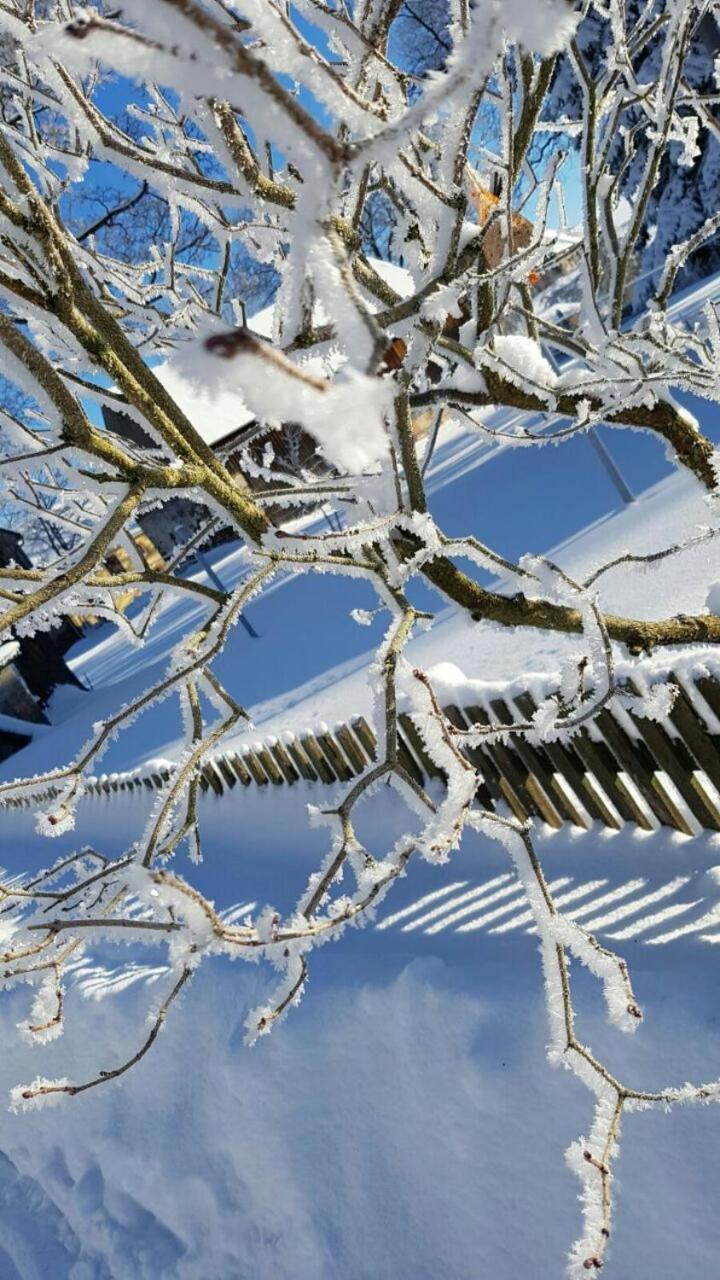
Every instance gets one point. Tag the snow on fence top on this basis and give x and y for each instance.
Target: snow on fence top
(626, 766)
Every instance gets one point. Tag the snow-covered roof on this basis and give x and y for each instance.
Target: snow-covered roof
(399, 278)
(215, 415)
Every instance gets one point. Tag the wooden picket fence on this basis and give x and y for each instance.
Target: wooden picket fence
(621, 768)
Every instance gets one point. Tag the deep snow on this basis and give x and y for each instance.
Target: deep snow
(403, 1122)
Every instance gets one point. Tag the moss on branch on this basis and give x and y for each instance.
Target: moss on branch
(637, 634)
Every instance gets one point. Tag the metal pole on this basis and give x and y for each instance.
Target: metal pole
(616, 476)
(220, 586)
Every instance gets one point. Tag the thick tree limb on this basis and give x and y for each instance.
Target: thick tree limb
(691, 448)
(637, 634)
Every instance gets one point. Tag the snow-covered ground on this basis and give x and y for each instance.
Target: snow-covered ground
(403, 1122)
(673, 510)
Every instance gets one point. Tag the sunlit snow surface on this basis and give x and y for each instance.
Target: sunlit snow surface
(672, 511)
(403, 1123)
